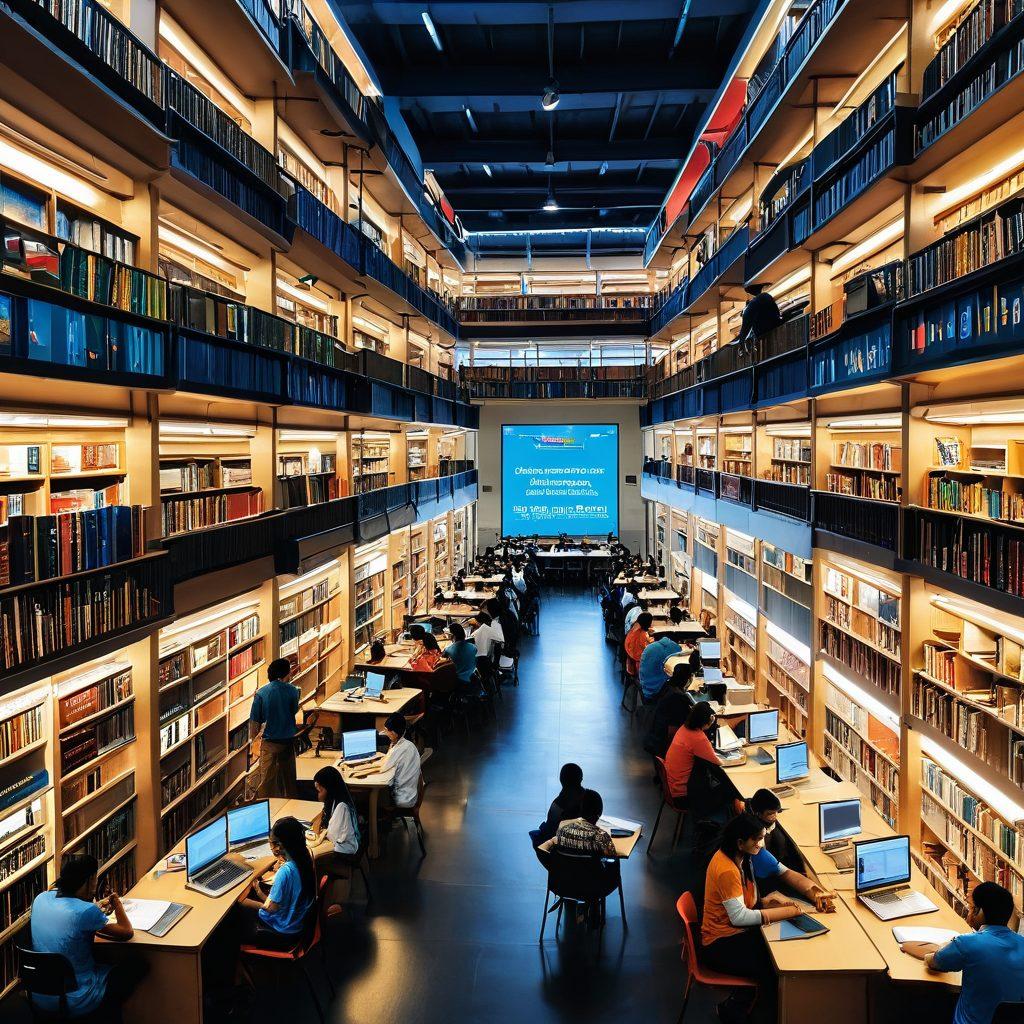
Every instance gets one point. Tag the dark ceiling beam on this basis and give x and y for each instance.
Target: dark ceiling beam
(439, 152)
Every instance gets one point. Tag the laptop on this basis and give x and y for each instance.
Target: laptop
(881, 872)
(791, 766)
(711, 675)
(374, 685)
(710, 650)
(762, 727)
(358, 745)
(249, 830)
(838, 823)
(207, 869)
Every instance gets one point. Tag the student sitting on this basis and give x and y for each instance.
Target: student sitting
(652, 674)
(730, 939)
(428, 657)
(637, 641)
(565, 806)
(765, 806)
(461, 652)
(630, 595)
(633, 614)
(675, 613)
(378, 652)
(671, 711)
(487, 634)
(274, 918)
(336, 827)
(405, 759)
(991, 958)
(581, 835)
(65, 920)
(691, 743)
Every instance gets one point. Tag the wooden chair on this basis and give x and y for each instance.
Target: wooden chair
(695, 972)
(667, 800)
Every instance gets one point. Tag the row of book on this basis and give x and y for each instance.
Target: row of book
(89, 742)
(16, 899)
(875, 667)
(98, 279)
(864, 355)
(300, 491)
(88, 232)
(177, 822)
(244, 660)
(90, 700)
(182, 515)
(174, 732)
(792, 449)
(81, 499)
(788, 473)
(47, 620)
(949, 494)
(208, 364)
(884, 773)
(18, 856)
(44, 547)
(877, 455)
(79, 821)
(871, 165)
(175, 782)
(111, 836)
(307, 598)
(83, 458)
(204, 474)
(244, 630)
(951, 717)
(857, 485)
(973, 551)
(841, 762)
(21, 730)
(855, 126)
(972, 810)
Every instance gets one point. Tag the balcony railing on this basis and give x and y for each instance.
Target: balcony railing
(684, 476)
(528, 382)
(733, 487)
(672, 305)
(707, 482)
(862, 519)
(793, 500)
(552, 308)
(329, 62)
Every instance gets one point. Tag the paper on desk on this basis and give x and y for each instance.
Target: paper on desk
(940, 936)
(608, 822)
(143, 914)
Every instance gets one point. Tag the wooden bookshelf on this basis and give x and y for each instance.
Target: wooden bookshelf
(788, 455)
(310, 467)
(737, 451)
(707, 449)
(786, 678)
(371, 462)
(865, 462)
(441, 548)
(419, 579)
(370, 594)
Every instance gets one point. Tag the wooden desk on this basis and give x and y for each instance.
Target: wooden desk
(659, 594)
(172, 991)
(468, 595)
(486, 581)
(687, 630)
(623, 580)
(456, 611)
(389, 702)
(307, 765)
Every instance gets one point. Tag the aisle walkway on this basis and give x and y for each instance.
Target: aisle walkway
(453, 938)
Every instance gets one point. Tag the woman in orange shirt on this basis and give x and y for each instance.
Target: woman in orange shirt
(427, 659)
(730, 936)
(636, 640)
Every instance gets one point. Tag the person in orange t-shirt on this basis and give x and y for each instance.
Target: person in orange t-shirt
(636, 640)
(428, 658)
(690, 743)
(730, 928)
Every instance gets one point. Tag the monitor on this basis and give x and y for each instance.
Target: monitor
(762, 726)
(208, 844)
(710, 650)
(249, 822)
(879, 863)
(374, 684)
(359, 742)
(791, 762)
(711, 675)
(838, 819)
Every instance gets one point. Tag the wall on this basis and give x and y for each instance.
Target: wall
(495, 413)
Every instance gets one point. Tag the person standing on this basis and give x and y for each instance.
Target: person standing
(275, 707)
(760, 314)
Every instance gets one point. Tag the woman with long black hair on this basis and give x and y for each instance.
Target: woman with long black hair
(337, 829)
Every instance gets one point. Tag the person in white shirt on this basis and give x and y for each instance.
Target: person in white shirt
(519, 579)
(630, 595)
(335, 844)
(405, 759)
(487, 633)
(634, 613)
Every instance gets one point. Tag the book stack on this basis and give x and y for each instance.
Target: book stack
(82, 745)
(98, 279)
(92, 699)
(111, 836)
(973, 551)
(18, 856)
(950, 494)
(16, 899)
(869, 455)
(182, 515)
(175, 783)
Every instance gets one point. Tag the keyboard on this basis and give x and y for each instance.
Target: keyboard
(893, 895)
(223, 873)
(783, 790)
(762, 756)
(901, 902)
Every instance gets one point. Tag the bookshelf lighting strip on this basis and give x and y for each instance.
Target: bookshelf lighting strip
(741, 608)
(1008, 809)
(861, 697)
(307, 578)
(790, 643)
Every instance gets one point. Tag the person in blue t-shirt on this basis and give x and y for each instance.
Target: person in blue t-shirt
(274, 917)
(770, 873)
(991, 958)
(462, 653)
(272, 717)
(65, 920)
(653, 676)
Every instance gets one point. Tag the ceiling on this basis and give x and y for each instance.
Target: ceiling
(635, 82)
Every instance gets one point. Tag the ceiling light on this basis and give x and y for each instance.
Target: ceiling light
(997, 413)
(469, 118)
(174, 428)
(603, 169)
(874, 243)
(428, 23)
(860, 696)
(487, 170)
(45, 174)
(550, 204)
(798, 277)
(551, 96)
(549, 160)
(882, 422)
(35, 420)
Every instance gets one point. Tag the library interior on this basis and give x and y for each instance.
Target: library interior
(511, 510)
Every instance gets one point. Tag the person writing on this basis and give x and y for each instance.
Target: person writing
(565, 806)
(272, 719)
(652, 674)
(403, 756)
(336, 843)
(637, 641)
(429, 655)
(273, 917)
(65, 920)
(731, 941)
(633, 614)
(991, 957)
(461, 653)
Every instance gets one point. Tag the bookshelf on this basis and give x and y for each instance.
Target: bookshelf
(441, 550)
(786, 453)
(741, 622)
(308, 465)
(400, 563)
(787, 678)
(707, 448)
(865, 457)
(418, 463)
(210, 664)
(369, 579)
(371, 459)
(459, 559)
(312, 631)
(419, 569)
(737, 451)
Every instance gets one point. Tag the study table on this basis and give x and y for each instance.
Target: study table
(623, 579)
(172, 990)
(452, 611)
(659, 594)
(468, 595)
(380, 707)
(688, 629)
(486, 581)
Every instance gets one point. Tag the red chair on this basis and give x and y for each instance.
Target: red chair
(677, 804)
(687, 910)
(311, 937)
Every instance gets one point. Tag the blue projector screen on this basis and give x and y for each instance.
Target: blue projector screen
(560, 479)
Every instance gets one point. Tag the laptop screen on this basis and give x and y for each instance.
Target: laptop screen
(205, 846)
(359, 742)
(881, 862)
(838, 819)
(426, 626)
(249, 822)
(710, 650)
(374, 684)
(762, 726)
(712, 675)
(791, 761)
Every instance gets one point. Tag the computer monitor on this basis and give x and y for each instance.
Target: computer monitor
(206, 845)
(791, 762)
(838, 819)
(710, 650)
(374, 684)
(428, 626)
(359, 743)
(248, 823)
(711, 674)
(762, 726)
(878, 863)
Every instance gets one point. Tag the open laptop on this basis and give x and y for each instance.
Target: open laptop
(207, 869)
(762, 727)
(791, 766)
(838, 823)
(358, 745)
(249, 830)
(881, 872)
(373, 686)
(710, 651)
(428, 627)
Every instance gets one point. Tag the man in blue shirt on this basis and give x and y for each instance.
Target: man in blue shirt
(65, 920)
(991, 958)
(771, 872)
(274, 710)
(462, 653)
(652, 666)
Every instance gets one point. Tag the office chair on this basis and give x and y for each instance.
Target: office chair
(687, 910)
(46, 974)
(677, 804)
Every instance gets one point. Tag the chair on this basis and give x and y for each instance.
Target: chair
(676, 804)
(46, 974)
(407, 814)
(630, 694)
(687, 910)
(580, 878)
(503, 674)
(310, 937)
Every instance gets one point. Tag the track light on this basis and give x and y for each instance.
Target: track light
(428, 23)
(551, 96)
(550, 204)
(549, 160)
(487, 170)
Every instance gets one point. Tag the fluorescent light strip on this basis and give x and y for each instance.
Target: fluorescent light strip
(305, 297)
(796, 430)
(882, 238)
(709, 583)
(20, 420)
(790, 643)
(860, 696)
(883, 421)
(797, 278)
(174, 238)
(171, 429)
(320, 570)
(741, 608)
(1002, 804)
(310, 435)
(43, 173)
(370, 326)
(998, 412)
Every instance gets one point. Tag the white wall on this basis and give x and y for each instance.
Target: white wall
(493, 414)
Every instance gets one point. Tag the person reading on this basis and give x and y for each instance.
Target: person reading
(565, 806)
(636, 642)
(689, 758)
(403, 756)
(429, 657)
(461, 652)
